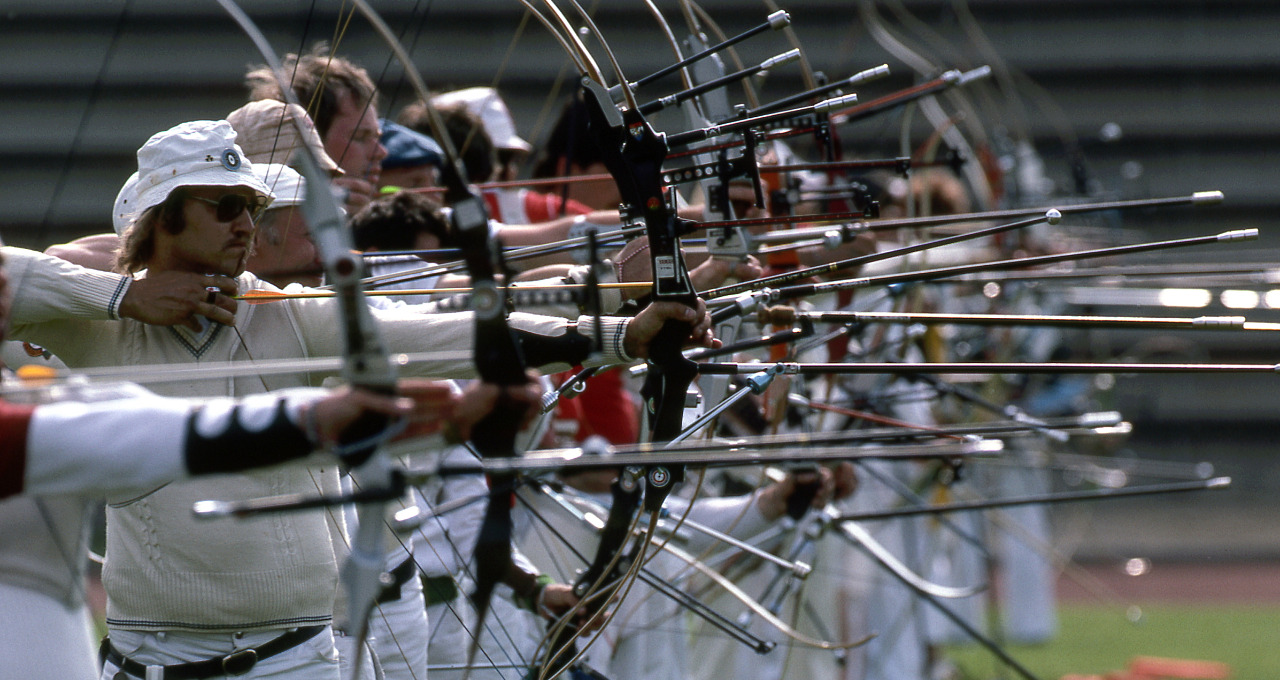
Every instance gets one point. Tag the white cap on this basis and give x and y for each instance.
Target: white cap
(266, 135)
(197, 153)
(487, 103)
(289, 186)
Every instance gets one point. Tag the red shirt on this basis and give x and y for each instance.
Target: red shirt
(15, 420)
(522, 206)
(604, 409)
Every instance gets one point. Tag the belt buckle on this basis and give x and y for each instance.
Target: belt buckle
(239, 663)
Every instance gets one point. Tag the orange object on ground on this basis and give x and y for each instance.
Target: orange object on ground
(1155, 667)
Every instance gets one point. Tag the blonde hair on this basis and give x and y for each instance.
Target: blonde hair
(320, 81)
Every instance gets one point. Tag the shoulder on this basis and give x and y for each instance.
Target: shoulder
(250, 281)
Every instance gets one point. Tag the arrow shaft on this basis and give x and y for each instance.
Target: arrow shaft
(1067, 321)
(1067, 497)
(944, 272)
(893, 368)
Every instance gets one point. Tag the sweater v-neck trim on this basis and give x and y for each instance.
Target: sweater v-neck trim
(194, 345)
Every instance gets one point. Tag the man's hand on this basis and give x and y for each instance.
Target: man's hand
(424, 405)
(634, 264)
(359, 192)
(479, 399)
(556, 599)
(714, 272)
(773, 500)
(172, 297)
(645, 326)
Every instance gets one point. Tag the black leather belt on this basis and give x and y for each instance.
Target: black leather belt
(400, 576)
(235, 663)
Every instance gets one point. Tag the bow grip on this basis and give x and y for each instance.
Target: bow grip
(664, 391)
(801, 498)
(363, 433)
(495, 435)
(670, 374)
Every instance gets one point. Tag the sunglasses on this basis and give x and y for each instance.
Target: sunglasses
(229, 206)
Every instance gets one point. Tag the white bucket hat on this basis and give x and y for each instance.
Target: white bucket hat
(124, 212)
(286, 183)
(197, 153)
(487, 103)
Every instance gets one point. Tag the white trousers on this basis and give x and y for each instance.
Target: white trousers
(400, 634)
(505, 645)
(370, 669)
(41, 638)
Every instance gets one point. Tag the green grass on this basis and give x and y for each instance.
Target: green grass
(1095, 639)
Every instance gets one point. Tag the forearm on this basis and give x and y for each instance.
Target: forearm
(550, 344)
(142, 443)
(522, 235)
(95, 252)
(46, 288)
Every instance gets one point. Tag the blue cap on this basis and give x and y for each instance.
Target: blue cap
(406, 148)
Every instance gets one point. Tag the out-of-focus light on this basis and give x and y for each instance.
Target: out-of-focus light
(1272, 299)
(1137, 566)
(1185, 297)
(1239, 299)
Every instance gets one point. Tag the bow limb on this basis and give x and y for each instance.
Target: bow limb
(589, 67)
(365, 363)
(693, 8)
(627, 91)
(634, 153)
(497, 355)
(806, 70)
(865, 541)
(759, 609)
(582, 510)
(601, 582)
(667, 33)
(565, 45)
(973, 172)
(499, 361)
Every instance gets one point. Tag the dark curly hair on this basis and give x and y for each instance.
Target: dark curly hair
(466, 132)
(394, 222)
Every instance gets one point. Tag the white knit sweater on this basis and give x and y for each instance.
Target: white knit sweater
(167, 571)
